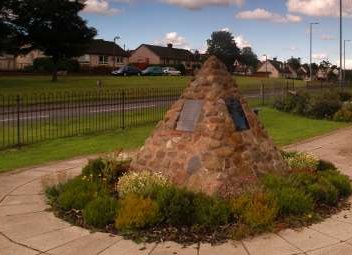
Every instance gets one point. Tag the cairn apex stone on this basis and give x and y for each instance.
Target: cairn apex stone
(224, 151)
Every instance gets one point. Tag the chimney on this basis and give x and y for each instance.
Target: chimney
(275, 59)
(169, 45)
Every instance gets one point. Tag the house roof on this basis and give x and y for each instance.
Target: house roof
(101, 47)
(170, 52)
(280, 66)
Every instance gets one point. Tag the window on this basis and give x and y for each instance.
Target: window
(103, 60)
(119, 60)
(237, 114)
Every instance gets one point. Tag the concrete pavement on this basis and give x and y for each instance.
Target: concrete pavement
(28, 227)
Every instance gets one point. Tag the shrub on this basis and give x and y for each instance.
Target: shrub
(323, 192)
(325, 106)
(141, 183)
(94, 169)
(345, 96)
(115, 165)
(303, 162)
(136, 212)
(339, 181)
(211, 212)
(46, 65)
(77, 193)
(324, 165)
(344, 114)
(292, 201)
(176, 206)
(100, 211)
(258, 211)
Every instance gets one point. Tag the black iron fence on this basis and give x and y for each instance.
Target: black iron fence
(27, 119)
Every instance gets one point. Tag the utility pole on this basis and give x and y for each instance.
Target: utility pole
(114, 50)
(340, 76)
(344, 59)
(311, 49)
(266, 65)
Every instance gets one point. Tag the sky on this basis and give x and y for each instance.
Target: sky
(278, 28)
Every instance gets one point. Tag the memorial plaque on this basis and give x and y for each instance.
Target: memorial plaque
(189, 116)
(237, 114)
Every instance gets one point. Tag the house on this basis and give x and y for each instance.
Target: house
(242, 69)
(147, 54)
(7, 62)
(104, 55)
(25, 60)
(274, 69)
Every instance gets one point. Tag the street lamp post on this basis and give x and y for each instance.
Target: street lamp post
(340, 74)
(266, 65)
(311, 46)
(344, 59)
(114, 50)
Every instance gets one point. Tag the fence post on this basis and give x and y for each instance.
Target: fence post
(18, 101)
(263, 93)
(123, 108)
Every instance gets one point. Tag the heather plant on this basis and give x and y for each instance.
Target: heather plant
(303, 162)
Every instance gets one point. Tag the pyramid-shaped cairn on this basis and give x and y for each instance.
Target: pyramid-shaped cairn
(210, 140)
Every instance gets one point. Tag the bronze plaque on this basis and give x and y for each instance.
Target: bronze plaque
(189, 116)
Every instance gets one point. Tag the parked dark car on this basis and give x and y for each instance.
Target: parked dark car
(127, 71)
(153, 71)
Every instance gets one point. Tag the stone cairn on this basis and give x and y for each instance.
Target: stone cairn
(210, 141)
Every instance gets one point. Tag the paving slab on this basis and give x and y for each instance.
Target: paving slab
(14, 249)
(269, 244)
(127, 247)
(335, 229)
(6, 210)
(32, 188)
(56, 238)
(22, 199)
(233, 248)
(13, 220)
(88, 245)
(170, 248)
(307, 239)
(338, 249)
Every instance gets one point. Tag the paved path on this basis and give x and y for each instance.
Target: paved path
(28, 228)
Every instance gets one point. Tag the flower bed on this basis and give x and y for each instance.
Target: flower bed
(145, 206)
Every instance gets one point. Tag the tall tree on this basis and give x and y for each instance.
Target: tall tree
(295, 62)
(222, 45)
(248, 57)
(8, 32)
(53, 27)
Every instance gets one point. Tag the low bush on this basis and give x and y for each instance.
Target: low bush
(345, 96)
(100, 212)
(324, 107)
(340, 182)
(344, 114)
(94, 169)
(324, 165)
(77, 193)
(302, 162)
(257, 211)
(136, 213)
(323, 192)
(142, 183)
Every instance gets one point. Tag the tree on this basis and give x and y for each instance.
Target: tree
(295, 62)
(248, 57)
(53, 27)
(223, 46)
(8, 32)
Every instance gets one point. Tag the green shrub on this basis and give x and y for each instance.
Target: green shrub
(115, 165)
(100, 212)
(141, 183)
(303, 162)
(46, 65)
(324, 165)
(77, 193)
(94, 169)
(136, 212)
(339, 181)
(292, 201)
(345, 96)
(211, 212)
(323, 192)
(176, 206)
(258, 211)
(325, 106)
(344, 114)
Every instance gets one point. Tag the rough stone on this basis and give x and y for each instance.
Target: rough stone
(214, 157)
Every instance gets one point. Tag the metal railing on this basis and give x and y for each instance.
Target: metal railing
(27, 119)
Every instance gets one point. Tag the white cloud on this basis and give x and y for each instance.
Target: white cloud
(225, 29)
(262, 14)
(320, 56)
(100, 7)
(175, 39)
(198, 4)
(348, 63)
(291, 48)
(241, 42)
(326, 37)
(319, 7)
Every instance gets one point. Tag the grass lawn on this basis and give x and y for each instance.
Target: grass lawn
(284, 129)
(38, 84)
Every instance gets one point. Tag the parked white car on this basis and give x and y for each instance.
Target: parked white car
(171, 71)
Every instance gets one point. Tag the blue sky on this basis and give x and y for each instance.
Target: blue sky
(278, 28)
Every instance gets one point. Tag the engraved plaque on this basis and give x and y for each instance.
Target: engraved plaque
(237, 114)
(189, 116)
